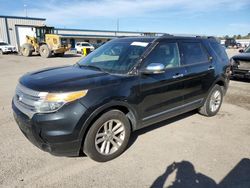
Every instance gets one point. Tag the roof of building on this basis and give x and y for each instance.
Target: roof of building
(93, 30)
(21, 17)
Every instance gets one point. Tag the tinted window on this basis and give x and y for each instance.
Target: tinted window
(85, 44)
(193, 52)
(166, 54)
(219, 51)
(3, 43)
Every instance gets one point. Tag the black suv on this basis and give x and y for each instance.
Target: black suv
(125, 85)
(241, 64)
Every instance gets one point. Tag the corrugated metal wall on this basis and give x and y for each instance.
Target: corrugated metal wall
(3, 33)
(13, 23)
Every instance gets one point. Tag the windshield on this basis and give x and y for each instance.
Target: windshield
(3, 43)
(248, 49)
(86, 44)
(115, 57)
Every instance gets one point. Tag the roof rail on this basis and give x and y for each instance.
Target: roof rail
(166, 35)
(186, 35)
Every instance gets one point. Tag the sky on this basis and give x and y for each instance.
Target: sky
(201, 17)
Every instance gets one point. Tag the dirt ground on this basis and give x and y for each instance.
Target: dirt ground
(190, 150)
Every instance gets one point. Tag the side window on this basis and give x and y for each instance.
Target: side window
(219, 51)
(165, 53)
(193, 52)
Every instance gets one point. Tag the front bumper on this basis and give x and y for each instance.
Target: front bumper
(9, 51)
(239, 73)
(57, 133)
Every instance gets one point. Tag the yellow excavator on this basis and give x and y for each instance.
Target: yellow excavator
(45, 43)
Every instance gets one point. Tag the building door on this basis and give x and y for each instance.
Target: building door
(22, 32)
(73, 43)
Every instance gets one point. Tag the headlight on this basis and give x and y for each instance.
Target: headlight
(51, 102)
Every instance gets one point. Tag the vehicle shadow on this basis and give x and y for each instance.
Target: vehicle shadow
(139, 132)
(68, 56)
(187, 177)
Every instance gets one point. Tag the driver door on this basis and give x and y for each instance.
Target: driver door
(161, 94)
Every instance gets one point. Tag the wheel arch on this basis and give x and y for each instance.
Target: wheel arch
(115, 105)
(222, 84)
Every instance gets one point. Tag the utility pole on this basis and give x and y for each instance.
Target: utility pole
(118, 25)
(25, 10)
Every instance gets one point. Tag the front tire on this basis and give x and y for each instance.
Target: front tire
(45, 51)
(213, 102)
(108, 137)
(26, 50)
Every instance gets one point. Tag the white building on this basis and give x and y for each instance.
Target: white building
(13, 30)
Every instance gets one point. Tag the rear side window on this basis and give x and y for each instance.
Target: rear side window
(193, 52)
(219, 51)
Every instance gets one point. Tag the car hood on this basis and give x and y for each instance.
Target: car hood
(242, 56)
(67, 78)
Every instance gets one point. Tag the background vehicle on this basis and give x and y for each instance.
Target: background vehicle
(125, 85)
(81, 45)
(241, 64)
(97, 45)
(6, 48)
(231, 43)
(45, 43)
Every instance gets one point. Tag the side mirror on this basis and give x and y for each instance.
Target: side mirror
(154, 68)
(241, 50)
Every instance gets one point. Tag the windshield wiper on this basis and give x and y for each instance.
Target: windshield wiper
(92, 67)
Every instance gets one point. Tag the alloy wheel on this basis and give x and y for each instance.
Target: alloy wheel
(110, 137)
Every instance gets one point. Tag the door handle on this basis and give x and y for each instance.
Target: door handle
(211, 68)
(178, 75)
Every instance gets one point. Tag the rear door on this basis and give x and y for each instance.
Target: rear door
(199, 71)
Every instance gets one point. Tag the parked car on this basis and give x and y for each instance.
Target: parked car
(81, 45)
(97, 45)
(125, 85)
(231, 43)
(5, 48)
(241, 64)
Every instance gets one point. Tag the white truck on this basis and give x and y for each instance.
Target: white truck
(81, 45)
(5, 48)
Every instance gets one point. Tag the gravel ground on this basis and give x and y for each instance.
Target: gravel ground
(190, 150)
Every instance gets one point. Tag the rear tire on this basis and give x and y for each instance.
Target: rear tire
(213, 102)
(108, 137)
(26, 50)
(45, 51)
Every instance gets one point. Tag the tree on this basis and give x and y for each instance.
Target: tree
(238, 37)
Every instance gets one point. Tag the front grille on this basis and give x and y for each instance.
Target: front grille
(25, 100)
(9, 48)
(244, 65)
